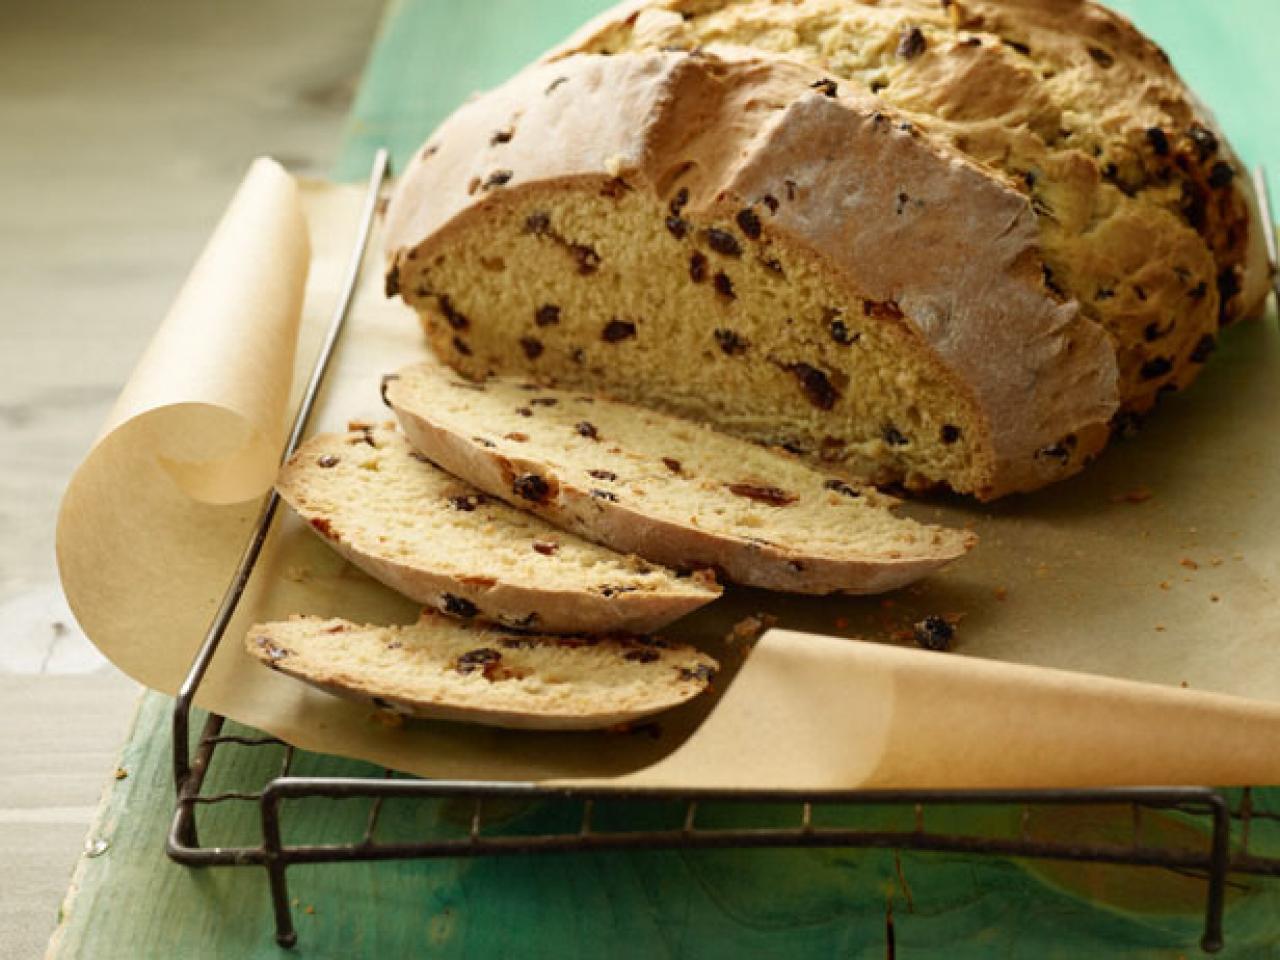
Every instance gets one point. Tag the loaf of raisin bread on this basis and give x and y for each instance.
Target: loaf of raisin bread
(443, 543)
(444, 669)
(926, 243)
(670, 490)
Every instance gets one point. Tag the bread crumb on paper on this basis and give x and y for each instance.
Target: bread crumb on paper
(1136, 495)
(387, 718)
(749, 629)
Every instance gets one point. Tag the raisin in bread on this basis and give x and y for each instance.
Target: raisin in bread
(1145, 217)
(672, 491)
(443, 669)
(442, 542)
(749, 245)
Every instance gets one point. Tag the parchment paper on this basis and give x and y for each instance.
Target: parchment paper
(1155, 570)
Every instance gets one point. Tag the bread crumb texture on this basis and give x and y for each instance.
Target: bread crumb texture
(669, 489)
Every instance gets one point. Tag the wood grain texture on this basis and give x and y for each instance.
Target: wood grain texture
(124, 127)
(429, 56)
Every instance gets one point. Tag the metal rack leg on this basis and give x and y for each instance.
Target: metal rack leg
(193, 778)
(276, 865)
(1219, 861)
(286, 935)
(186, 833)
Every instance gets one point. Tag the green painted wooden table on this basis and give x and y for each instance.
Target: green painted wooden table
(129, 901)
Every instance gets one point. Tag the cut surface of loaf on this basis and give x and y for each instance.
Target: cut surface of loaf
(440, 541)
(667, 489)
(751, 245)
(1145, 215)
(443, 669)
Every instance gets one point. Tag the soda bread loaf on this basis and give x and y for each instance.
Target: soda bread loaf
(444, 669)
(669, 490)
(935, 243)
(443, 543)
(739, 246)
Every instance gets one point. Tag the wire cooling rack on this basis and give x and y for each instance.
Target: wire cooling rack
(1225, 822)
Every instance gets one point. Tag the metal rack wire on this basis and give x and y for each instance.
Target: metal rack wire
(1207, 808)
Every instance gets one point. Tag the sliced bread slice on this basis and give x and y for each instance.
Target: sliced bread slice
(670, 490)
(444, 669)
(442, 542)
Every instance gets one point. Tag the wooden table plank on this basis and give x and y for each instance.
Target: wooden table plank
(429, 55)
(124, 127)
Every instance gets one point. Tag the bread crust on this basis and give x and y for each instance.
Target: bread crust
(1042, 378)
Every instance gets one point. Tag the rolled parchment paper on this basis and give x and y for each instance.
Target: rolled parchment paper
(1120, 628)
(154, 516)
